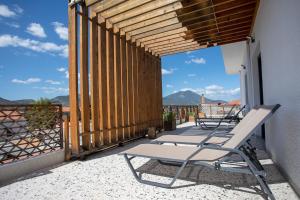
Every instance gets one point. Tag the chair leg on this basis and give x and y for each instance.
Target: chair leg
(265, 187)
(261, 179)
(164, 185)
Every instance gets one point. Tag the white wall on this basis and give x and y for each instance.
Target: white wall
(277, 37)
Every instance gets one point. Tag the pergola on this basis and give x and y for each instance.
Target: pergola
(116, 46)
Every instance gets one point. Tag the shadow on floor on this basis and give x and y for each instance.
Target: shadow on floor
(198, 175)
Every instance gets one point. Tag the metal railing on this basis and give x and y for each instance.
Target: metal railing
(184, 113)
(29, 130)
(218, 110)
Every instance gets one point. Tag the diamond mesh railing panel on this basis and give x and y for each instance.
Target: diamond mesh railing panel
(29, 130)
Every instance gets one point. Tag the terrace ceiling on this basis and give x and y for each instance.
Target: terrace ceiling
(165, 27)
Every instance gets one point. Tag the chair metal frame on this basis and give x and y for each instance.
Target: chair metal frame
(245, 150)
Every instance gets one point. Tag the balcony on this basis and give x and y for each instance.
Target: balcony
(105, 175)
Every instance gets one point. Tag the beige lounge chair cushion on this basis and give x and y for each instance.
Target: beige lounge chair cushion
(174, 153)
(190, 139)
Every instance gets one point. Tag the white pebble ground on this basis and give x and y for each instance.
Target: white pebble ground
(106, 176)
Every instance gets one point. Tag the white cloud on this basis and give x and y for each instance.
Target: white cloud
(67, 74)
(6, 12)
(34, 45)
(13, 24)
(61, 69)
(191, 75)
(18, 9)
(185, 82)
(36, 30)
(166, 71)
(53, 82)
(196, 60)
(55, 90)
(61, 30)
(28, 81)
(169, 86)
(214, 87)
(216, 92)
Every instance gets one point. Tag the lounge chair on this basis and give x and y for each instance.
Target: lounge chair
(212, 156)
(214, 137)
(229, 120)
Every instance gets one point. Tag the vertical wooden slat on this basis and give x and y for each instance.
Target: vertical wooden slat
(160, 94)
(118, 95)
(143, 89)
(135, 90)
(103, 81)
(110, 85)
(84, 86)
(94, 82)
(155, 92)
(124, 86)
(129, 86)
(66, 137)
(133, 86)
(139, 87)
(145, 82)
(73, 80)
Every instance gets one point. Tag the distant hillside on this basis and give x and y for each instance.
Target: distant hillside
(24, 101)
(64, 100)
(4, 101)
(186, 98)
(179, 98)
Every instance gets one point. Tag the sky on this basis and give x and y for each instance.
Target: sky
(34, 57)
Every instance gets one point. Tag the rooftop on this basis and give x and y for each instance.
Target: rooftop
(107, 176)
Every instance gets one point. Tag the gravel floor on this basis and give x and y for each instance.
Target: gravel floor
(107, 176)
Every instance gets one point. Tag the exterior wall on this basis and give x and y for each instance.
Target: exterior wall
(20, 168)
(276, 32)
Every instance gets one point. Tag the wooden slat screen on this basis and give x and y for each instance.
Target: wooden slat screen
(120, 85)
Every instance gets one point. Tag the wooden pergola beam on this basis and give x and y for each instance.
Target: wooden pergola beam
(179, 40)
(122, 7)
(99, 6)
(160, 35)
(162, 19)
(149, 15)
(177, 48)
(152, 5)
(173, 45)
(180, 50)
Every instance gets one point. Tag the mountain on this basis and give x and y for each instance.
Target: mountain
(186, 98)
(64, 100)
(24, 101)
(179, 98)
(4, 101)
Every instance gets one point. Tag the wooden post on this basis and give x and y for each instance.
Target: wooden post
(124, 86)
(133, 88)
(110, 86)
(129, 87)
(94, 82)
(136, 94)
(84, 85)
(66, 137)
(160, 93)
(103, 82)
(118, 95)
(73, 80)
